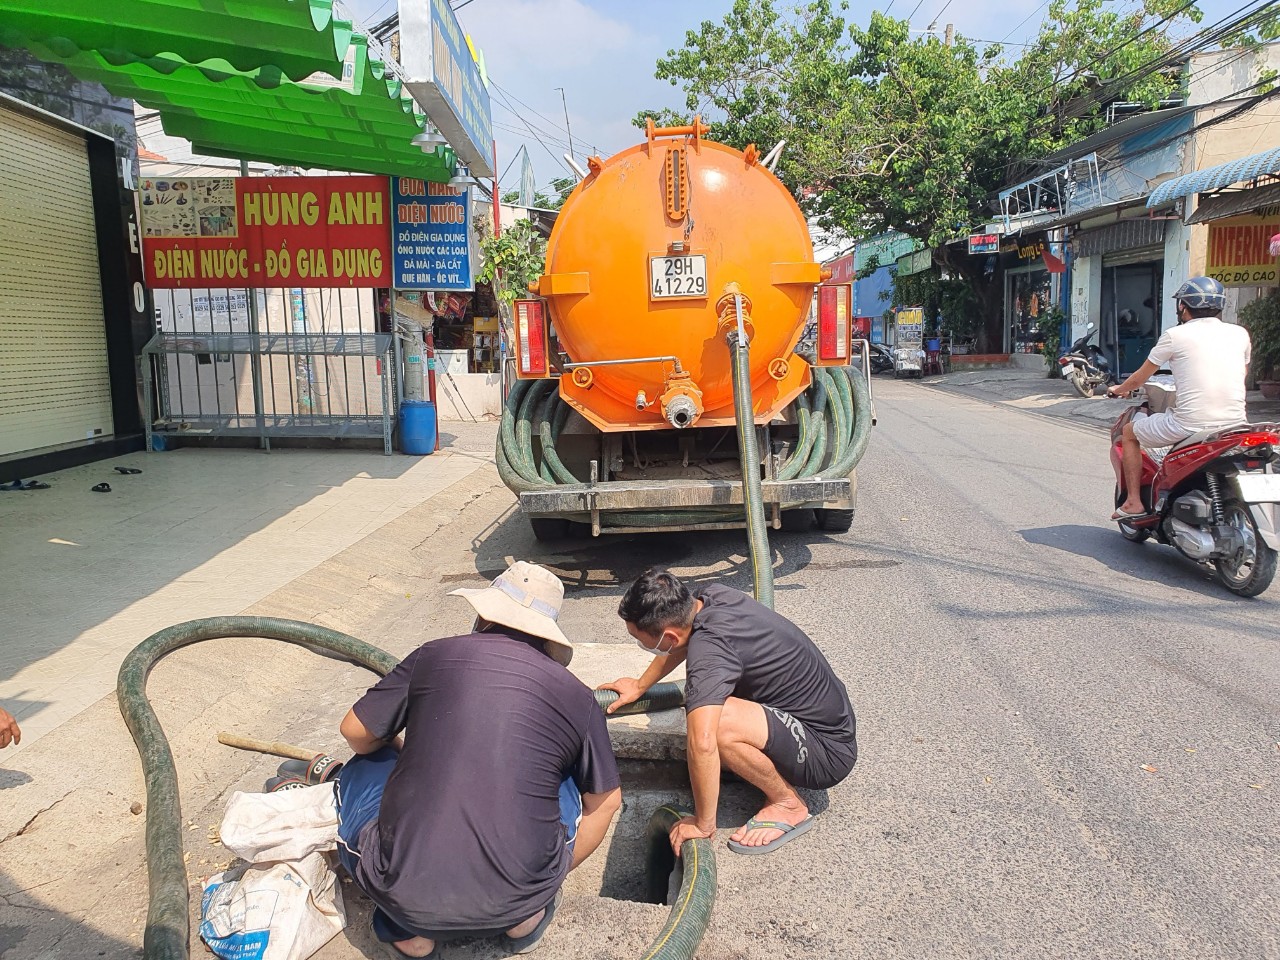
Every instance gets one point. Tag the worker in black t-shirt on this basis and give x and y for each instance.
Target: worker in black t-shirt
(505, 782)
(761, 699)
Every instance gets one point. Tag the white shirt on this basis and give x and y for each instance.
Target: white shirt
(1208, 359)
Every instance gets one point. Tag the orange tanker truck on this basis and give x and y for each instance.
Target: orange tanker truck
(659, 384)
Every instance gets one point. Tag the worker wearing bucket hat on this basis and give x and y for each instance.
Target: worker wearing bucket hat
(526, 597)
(506, 779)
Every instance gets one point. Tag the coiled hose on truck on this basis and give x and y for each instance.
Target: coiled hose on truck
(833, 418)
(168, 934)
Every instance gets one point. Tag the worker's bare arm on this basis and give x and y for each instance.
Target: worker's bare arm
(358, 737)
(598, 811)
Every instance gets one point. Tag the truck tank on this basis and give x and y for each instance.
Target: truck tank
(655, 259)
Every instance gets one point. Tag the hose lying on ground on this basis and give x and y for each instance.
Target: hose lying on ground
(833, 416)
(168, 934)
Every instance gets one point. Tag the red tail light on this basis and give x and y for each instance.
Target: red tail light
(1253, 443)
(531, 340)
(1063, 361)
(834, 320)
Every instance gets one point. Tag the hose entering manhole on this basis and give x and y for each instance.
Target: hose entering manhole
(168, 932)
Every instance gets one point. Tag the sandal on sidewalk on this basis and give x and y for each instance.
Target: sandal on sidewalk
(531, 941)
(789, 833)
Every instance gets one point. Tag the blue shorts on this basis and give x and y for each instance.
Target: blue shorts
(360, 784)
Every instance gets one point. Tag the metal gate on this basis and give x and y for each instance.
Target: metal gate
(269, 363)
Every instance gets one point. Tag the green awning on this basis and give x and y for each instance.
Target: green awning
(256, 113)
(298, 37)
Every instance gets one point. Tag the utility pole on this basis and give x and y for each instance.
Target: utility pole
(568, 129)
(950, 34)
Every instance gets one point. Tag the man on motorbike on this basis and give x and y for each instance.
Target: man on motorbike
(1208, 360)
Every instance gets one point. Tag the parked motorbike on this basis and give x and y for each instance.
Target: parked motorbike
(1214, 497)
(1086, 366)
(881, 359)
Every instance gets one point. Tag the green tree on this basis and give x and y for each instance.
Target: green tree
(512, 260)
(887, 130)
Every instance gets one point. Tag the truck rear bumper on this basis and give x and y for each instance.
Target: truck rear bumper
(678, 495)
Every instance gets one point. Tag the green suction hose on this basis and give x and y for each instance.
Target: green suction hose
(749, 457)
(691, 911)
(168, 933)
(833, 420)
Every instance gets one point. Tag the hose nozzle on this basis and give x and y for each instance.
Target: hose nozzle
(681, 411)
(681, 400)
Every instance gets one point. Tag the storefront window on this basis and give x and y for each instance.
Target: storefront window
(1029, 296)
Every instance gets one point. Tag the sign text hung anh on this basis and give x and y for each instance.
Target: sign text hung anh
(431, 236)
(266, 232)
(1239, 251)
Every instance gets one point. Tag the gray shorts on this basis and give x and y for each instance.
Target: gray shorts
(805, 758)
(1158, 430)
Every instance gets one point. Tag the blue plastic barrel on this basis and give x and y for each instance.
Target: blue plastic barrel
(933, 345)
(418, 427)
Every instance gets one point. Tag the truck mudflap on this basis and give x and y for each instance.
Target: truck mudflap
(588, 498)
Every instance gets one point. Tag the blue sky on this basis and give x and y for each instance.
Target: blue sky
(602, 52)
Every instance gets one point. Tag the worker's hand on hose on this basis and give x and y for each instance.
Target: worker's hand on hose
(687, 829)
(9, 732)
(628, 689)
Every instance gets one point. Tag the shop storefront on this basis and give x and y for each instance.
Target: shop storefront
(1121, 268)
(1030, 290)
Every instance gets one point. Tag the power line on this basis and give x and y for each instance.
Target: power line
(912, 14)
(1021, 25)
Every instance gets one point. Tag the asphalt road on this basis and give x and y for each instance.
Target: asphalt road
(1070, 744)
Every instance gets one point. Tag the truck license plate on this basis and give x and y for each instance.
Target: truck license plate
(1259, 487)
(673, 277)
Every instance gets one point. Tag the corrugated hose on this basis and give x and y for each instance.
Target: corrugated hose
(168, 935)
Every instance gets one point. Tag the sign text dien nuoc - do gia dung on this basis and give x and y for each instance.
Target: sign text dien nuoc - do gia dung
(227, 232)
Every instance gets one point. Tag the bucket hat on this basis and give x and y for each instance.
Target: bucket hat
(526, 597)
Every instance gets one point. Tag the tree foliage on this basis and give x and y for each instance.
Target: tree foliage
(890, 130)
(512, 260)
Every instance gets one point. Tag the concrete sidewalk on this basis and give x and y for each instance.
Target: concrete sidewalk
(1033, 392)
(198, 533)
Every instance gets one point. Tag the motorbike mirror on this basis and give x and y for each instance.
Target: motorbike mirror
(1090, 326)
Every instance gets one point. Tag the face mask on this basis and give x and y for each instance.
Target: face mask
(653, 651)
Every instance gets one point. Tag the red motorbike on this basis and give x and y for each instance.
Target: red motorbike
(1215, 496)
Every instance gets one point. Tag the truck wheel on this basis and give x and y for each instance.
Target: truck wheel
(549, 528)
(834, 521)
(797, 521)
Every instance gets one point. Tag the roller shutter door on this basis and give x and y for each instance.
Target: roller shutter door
(54, 386)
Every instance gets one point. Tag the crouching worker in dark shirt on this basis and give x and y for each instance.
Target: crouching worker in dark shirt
(505, 781)
(761, 699)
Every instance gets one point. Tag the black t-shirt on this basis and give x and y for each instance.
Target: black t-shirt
(469, 834)
(741, 648)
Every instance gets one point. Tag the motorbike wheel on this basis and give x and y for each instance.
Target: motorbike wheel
(1251, 571)
(1082, 388)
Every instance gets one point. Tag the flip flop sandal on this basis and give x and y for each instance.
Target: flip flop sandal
(127, 470)
(1120, 516)
(101, 488)
(26, 485)
(789, 833)
(397, 952)
(531, 941)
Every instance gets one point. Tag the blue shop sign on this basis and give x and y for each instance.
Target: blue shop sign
(430, 236)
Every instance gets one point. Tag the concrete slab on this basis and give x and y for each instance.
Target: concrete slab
(649, 736)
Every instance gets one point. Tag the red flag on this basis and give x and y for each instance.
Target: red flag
(1053, 263)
